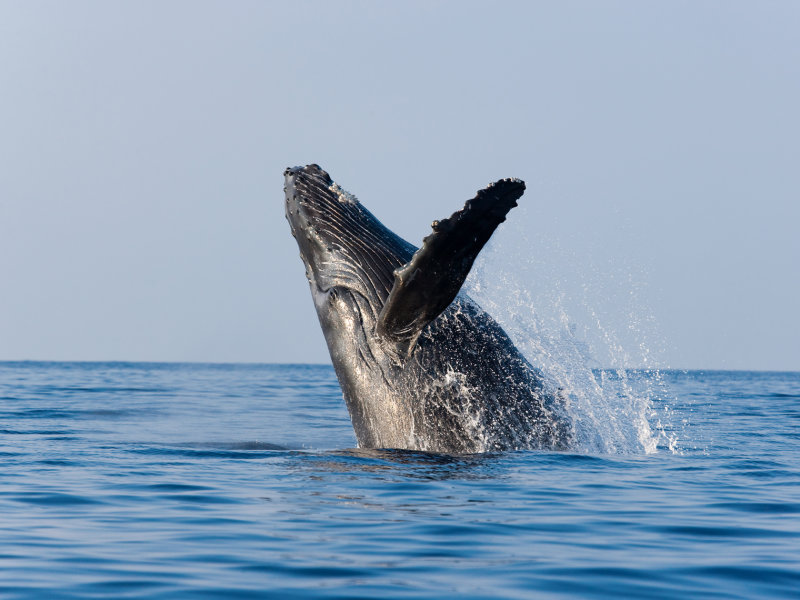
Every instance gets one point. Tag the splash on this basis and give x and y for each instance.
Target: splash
(619, 408)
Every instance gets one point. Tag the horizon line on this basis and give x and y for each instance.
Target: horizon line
(329, 364)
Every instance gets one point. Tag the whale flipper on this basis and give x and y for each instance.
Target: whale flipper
(427, 284)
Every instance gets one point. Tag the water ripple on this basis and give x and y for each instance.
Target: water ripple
(211, 481)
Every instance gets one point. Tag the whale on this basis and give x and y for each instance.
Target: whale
(421, 365)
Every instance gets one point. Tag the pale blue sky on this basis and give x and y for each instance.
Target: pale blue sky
(143, 144)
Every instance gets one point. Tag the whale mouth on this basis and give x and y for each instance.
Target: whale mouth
(303, 188)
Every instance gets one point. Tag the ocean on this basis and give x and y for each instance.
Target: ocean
(148, 480)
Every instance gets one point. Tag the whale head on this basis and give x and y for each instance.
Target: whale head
(349, 255)
(343, 246)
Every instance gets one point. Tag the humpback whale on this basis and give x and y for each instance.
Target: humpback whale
(420, 364)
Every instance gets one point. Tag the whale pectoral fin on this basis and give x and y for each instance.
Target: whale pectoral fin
(429, 282)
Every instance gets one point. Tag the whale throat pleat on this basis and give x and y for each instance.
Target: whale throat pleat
(357, 234)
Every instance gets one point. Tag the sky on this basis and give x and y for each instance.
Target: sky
(143, 146)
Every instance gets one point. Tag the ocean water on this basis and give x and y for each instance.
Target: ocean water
(136, 480)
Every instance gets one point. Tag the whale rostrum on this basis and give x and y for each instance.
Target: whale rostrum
(420, 364)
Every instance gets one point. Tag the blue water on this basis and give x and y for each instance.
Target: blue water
(143, 480)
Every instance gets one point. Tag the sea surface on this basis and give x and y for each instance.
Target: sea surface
(139, 480)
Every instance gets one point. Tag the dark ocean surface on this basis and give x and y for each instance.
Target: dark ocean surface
(136, 480)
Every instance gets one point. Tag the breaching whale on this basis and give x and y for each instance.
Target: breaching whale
(420, 364)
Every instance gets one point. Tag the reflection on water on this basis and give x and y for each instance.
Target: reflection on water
(405, 463)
